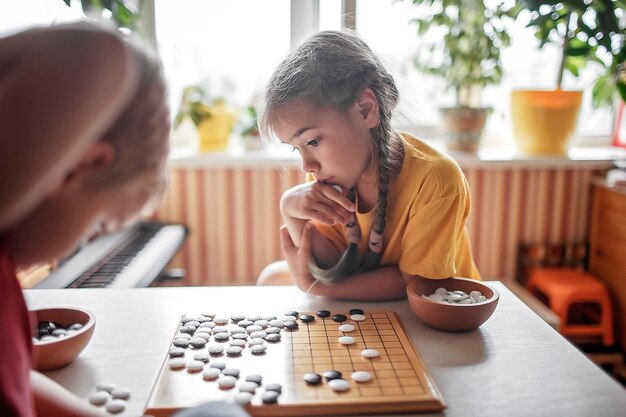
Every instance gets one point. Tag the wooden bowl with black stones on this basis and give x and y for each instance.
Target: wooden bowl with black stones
(56, 352)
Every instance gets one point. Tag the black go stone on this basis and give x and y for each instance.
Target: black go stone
(323, 314)
(291, 325)
(270, 397)
(307, 318)
(47, 327)
(356, 311)
(312, 378)
(291, 313)
(339, 318)
(332, 374)
(274, 387)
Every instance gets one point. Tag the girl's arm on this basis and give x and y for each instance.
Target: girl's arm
(381, 284)
(385, 283)
(60, 87)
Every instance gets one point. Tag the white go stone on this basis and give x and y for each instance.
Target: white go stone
(99, 397)
(216, 349)
(258, 335)
(115, 406)
(339, 384)
(289, 318)
(248, 387)
(441, 295)
(177, 363)
(105, 386)
(254, 328)
(276, 323)
(370, 353)
(220, 329)
(357, 317)
(243, 398)
(211, 373)
(255, 341)
(262, 323)
(195, 366)
(237, 342)
(218, 365)
(361, 376)
(441, 291)
(258, 349)
(183, 336)
(346, 328)
(121, 393)
(227, 382)
(347, 340)
(237, 330)
(220, 320)
(234, 350)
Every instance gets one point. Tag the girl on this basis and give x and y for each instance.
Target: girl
(381, 207)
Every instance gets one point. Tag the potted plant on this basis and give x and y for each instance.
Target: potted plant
(212, 118)
(123, 13)
(470, 36)
(585, 31)
(248, 129)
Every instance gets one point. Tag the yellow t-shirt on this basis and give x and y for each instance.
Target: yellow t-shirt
(427, 208)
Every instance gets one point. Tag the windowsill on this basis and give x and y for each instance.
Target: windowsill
(492, 157)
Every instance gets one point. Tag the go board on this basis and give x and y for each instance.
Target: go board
(399, 383)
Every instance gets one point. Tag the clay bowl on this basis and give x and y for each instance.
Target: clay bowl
(451, 317)
(58, 352)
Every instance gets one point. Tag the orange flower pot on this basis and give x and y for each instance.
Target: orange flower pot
(544, 121)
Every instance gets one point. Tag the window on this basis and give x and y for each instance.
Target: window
(385, 26)
(230, 46)
(24, 14)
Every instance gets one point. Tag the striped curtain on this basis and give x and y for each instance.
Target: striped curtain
(233, 216)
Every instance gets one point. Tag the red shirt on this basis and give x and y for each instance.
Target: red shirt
(15, 344)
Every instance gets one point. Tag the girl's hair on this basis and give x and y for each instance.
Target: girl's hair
(332, 69)
(139, 135)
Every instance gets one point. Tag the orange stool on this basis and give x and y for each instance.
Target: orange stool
(564, 287)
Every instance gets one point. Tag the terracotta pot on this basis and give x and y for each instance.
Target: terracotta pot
(463, 127)
(543, 121)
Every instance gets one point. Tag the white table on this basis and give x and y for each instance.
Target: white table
(513, 365)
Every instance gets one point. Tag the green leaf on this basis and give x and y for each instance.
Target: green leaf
(603, 91)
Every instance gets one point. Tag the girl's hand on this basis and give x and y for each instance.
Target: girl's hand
(317, 201)
(298, 257)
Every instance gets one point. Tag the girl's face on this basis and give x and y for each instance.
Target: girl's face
(335, 147)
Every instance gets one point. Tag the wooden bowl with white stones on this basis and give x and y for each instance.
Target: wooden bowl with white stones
(451, 317)
(54, 353)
